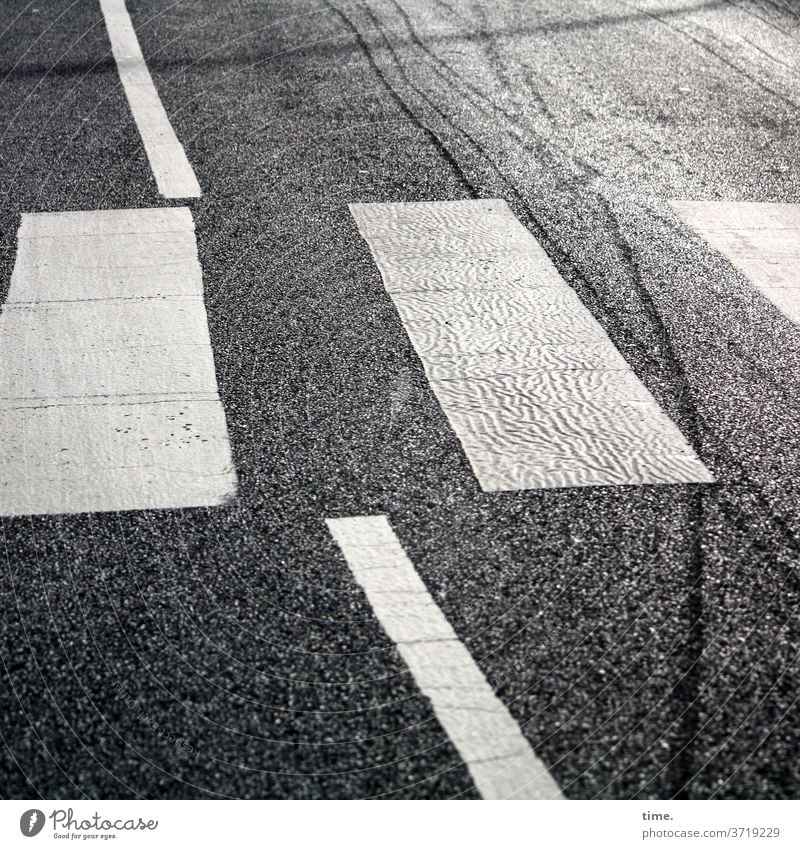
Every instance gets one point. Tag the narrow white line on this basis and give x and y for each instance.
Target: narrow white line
(174, 175)
(499, 758)
(762, 240)
(108, 395)
(529, 381)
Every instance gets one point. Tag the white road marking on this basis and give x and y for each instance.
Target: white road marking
(108, 395)
(487, 737)
(174, 175)
(530, 382)
(762, 240)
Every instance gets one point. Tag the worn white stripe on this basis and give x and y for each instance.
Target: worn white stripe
(174, 175)
(498, 756)
(530, 382)
(762, 240)
(108, 395)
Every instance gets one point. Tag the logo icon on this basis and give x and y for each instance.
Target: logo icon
(31, 822)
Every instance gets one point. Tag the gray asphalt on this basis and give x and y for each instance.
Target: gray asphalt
(646, 638)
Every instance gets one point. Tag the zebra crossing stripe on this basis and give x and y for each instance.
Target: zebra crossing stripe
(108, 394)
(531, 384)
(761, 240)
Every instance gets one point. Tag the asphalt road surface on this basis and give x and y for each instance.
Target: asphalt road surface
(645, 638)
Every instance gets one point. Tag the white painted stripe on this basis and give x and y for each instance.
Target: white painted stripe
(499, 758)
(108, 395)
(530, 382)
(762, 240)
(174, 175)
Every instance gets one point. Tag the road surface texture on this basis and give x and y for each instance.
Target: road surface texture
(645, 638)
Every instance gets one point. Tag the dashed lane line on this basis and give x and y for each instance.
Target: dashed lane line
(531, 384)
(174, 175)
(108, 394)
(762, 240)
(499, 758)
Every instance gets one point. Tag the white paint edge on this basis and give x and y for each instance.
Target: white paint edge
(499, 758)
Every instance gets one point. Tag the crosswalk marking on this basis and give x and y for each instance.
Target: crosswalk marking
(108, 394)
(762, 240)
(531, 384)
(499, 758)
(174, 175)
